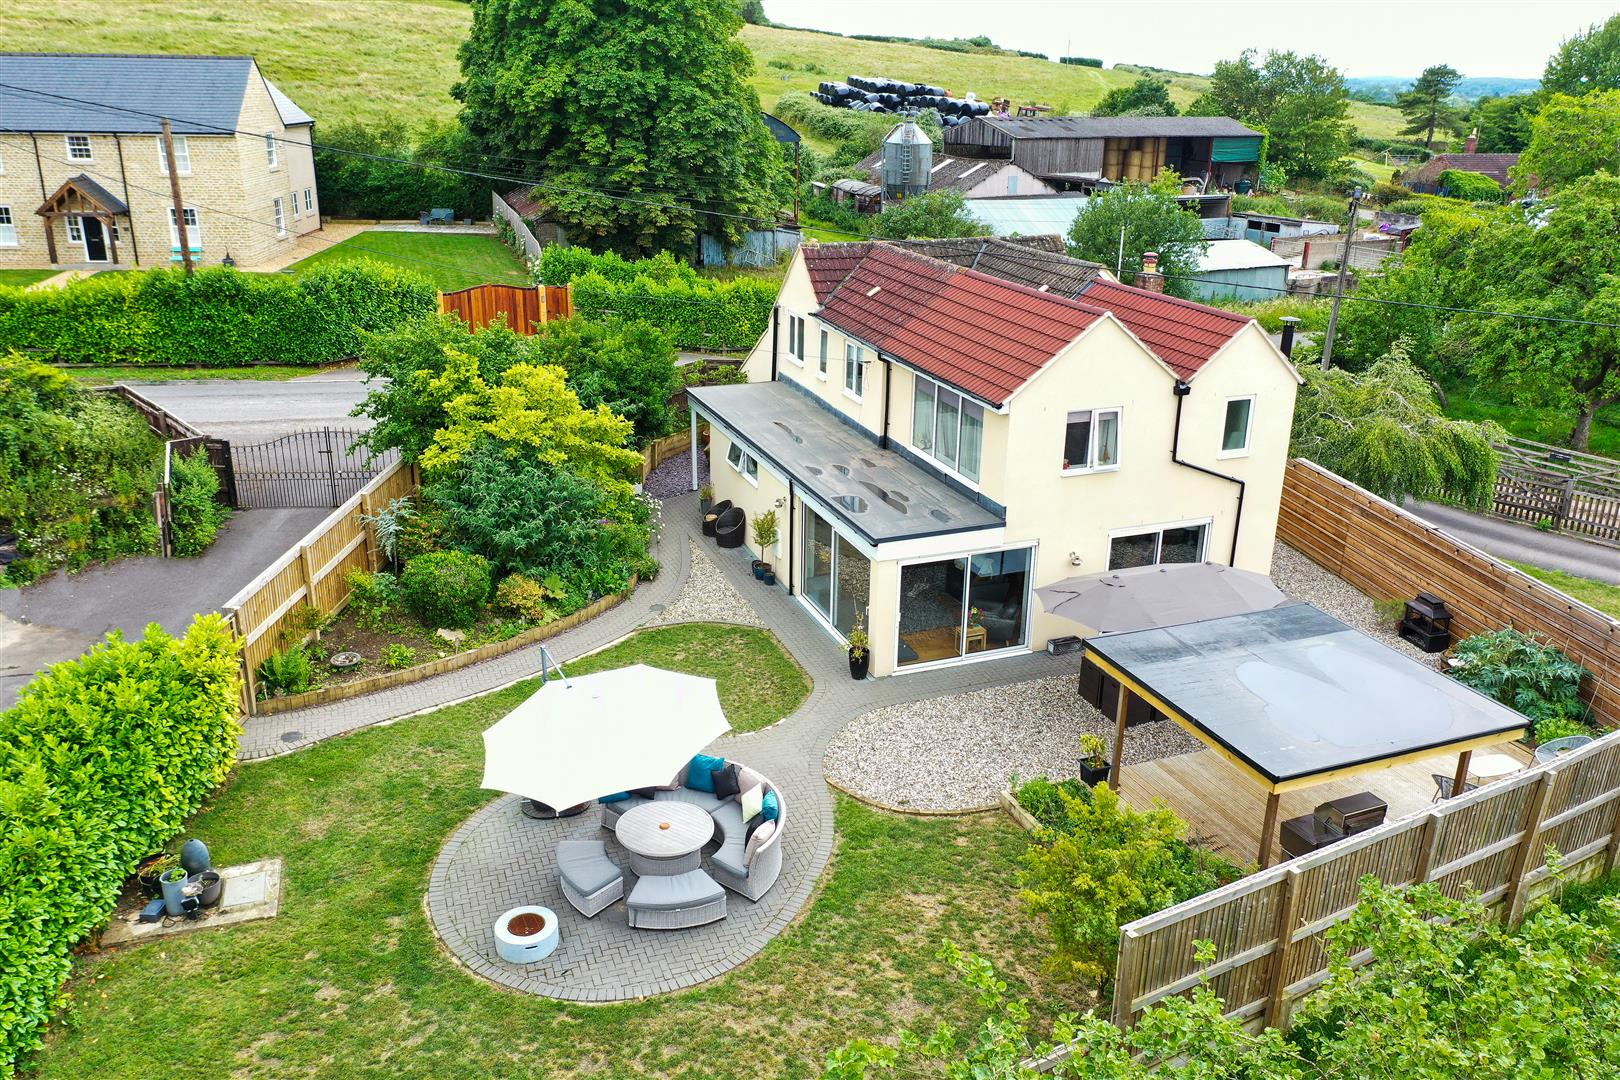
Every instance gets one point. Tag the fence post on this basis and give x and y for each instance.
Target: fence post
(250, 692)
(1428, 844)
(1515, 898)
(1566, 501)
(307, 559)
(373, 556)
(1125, 980)
(1287, 915)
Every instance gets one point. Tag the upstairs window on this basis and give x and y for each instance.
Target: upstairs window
(796, 338)
(821, 365)
(947, 426)
(854, 369)
(1091, 441)
(272, 153)
(1235, 430)
(182, 156)
(78, 148)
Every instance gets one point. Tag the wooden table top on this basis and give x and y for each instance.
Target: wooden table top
(664, 830)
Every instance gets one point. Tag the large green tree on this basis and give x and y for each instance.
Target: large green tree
(1146, 96)
(1503, 123)
(1151, 221)
(1300, 101)
(1586, 62)
(1427, 105)
(635, 117)
(935, 215)
(1570, 138)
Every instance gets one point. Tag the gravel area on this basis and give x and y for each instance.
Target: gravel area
(674, 476)
(1299, 577)
(957, 752)
(706, 597)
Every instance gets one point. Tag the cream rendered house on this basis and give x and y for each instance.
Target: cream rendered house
(937, 443)
(84, 181)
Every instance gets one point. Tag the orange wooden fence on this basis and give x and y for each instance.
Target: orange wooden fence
(524, 306)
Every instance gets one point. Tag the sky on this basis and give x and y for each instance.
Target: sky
(1361, 38)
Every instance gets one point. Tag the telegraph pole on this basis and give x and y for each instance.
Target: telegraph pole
(1338, 285)
(174, 192)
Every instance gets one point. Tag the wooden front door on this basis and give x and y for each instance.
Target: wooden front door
(95, 240)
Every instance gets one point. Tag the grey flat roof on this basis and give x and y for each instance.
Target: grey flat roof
(1293, 692)
(878, 494)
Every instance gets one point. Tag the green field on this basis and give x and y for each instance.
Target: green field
(373, 60)
(1551, 426)
(451, 260)
(1598, 594)
(22, 278)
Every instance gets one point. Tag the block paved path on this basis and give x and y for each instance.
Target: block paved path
(499, 859)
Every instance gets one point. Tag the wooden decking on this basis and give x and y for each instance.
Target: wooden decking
(1224, 808)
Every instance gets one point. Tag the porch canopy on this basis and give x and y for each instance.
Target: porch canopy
(1165, 594)
(82, 197)
(1293, 697)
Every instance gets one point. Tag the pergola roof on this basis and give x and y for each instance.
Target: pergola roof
(1294, 697)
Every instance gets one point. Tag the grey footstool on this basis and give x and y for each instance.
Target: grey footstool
(676, 901)
(590, 880)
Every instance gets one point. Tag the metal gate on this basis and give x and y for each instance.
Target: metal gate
(318, 467)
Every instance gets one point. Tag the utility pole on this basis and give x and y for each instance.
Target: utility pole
(1119, 261)
(174, 192)
(1338, 285)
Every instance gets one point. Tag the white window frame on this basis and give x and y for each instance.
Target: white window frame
(743, 462)
(8, 227)
(272, 152)
(193, 231)
(854, 371)
(75, 228)
(2, 164)
(930, 452)
(182, 156)
(967, 555)
(84, 140)
(1208, 524)
(1091, 449)
(796, 339)
(309, 200)
(278, 210)
(821, 363)
(1248, 428)
(294, 195)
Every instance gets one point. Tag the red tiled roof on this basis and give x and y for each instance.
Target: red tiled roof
(976, 332)
(523, 201)
(1183, 334)
(1495, 166)
(828, 264)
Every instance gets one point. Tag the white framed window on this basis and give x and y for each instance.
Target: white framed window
(279, 209)
(295, 205)
(272, 152)
(112, 231)
(796, 339)
(854, 369)
(1091, 441)
(821, 363)
(78, 148)
(1236, 426)
(309, 200)
(947, 426)
(193, 231)
(75, 229)
(1149, 547)
(2, 164)
(744, 463)
(8, 228)
(182, 156)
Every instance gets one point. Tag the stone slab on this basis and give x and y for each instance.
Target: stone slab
(250, 892)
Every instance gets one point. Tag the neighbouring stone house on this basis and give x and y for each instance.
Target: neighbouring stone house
(84, 181)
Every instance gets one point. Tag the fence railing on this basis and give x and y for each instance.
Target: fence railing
(1269, 929)
(314, 571)
(524, 306)
(1567, 488)
(520, 228)
(180, 438)
(1386, 552)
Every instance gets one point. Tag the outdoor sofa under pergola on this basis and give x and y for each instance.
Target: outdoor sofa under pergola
(1293, 697)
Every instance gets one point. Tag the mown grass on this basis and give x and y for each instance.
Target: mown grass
(18, 279)
(1465, 401)
(349, 982)
(138, 373)
(1598, 594)
(450, 260)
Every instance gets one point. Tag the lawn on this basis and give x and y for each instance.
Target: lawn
(451, 260)
(349, 982)
(139, 373)
(1598, 594)
(18, 279)
(1552, 426)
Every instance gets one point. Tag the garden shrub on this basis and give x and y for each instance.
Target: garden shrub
(529, 599)
(102, 760)
(1042, 799)
(397, 656)
(1105, 865)
(194, 508)
(1523, 672)
(629, 367)
(1385, 192)
(285, 671)
(707, 314)
(213, 318)
(446, 588)
(1470, 186)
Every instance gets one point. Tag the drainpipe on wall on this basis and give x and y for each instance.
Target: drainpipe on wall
(887, 371)
(1182, 389)
(776, 314)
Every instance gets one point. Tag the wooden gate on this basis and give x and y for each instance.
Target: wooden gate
(525, 307)
(1567, 489)
(318, 467)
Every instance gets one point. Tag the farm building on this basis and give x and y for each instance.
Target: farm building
(1240, 269)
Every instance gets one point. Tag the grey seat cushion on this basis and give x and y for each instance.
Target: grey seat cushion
(585, 866)
(706, 800)
(675, 891)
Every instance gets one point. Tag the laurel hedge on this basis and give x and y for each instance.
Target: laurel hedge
(102, 761)
(213, 318)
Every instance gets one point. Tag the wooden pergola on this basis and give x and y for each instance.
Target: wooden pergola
(82, 197)
(1271, 692)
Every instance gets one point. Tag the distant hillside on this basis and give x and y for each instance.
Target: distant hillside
(1471, 88)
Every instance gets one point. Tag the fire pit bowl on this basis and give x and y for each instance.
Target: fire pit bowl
(525, 935)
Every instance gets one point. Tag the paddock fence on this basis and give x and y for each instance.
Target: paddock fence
(314, 571)
(523, 306)
(1568, 489)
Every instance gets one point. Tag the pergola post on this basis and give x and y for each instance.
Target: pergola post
(1273, 801)
(1459, 780)
(693, 449)
(112, 244)
(1119, 735)
(50, 237)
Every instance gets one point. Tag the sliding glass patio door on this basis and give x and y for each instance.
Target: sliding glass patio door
(837, 577)
(955, 607)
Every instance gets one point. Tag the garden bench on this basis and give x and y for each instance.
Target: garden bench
(590, 880)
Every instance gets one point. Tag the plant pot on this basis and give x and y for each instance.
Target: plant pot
(1092, 775)
(770, 575)
(703, 505)
(211, 887)
(858, 665)
(194, 857)
(759, 569)
(146, 876)
(173, 883)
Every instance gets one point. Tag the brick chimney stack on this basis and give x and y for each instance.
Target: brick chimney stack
(1472, 145)
(1149, 277)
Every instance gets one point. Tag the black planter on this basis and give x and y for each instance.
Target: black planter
(1092, 776)
(858, 665)
(760, 566)
(704, 504)
(713, 515)
(770, 575)
(728, 528)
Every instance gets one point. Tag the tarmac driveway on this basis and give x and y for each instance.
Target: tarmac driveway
(59, 618)
(254, 411)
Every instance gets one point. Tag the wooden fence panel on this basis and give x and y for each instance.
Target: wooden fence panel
(524, 306)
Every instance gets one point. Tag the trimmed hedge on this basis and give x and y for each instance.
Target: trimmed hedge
(215, 318)
(102, 761)
(446, 588)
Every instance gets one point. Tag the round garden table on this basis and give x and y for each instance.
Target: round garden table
(1547, 751)
(664, 837)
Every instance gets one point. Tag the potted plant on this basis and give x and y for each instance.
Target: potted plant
(1390, 612)
(1094, 766)
(859, 647)
(152, 868)
(705, 498)
(764, 533)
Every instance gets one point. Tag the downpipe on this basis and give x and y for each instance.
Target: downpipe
(1182, 389)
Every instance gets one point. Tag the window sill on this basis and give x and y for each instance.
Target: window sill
(822, 375)
(1225, 455)
(1088, 471)
(851, 394)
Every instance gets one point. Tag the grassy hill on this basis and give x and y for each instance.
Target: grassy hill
(373, 60)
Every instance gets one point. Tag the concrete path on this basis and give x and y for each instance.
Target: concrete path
(1522, 543)
(253, 411)
(59, 618)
